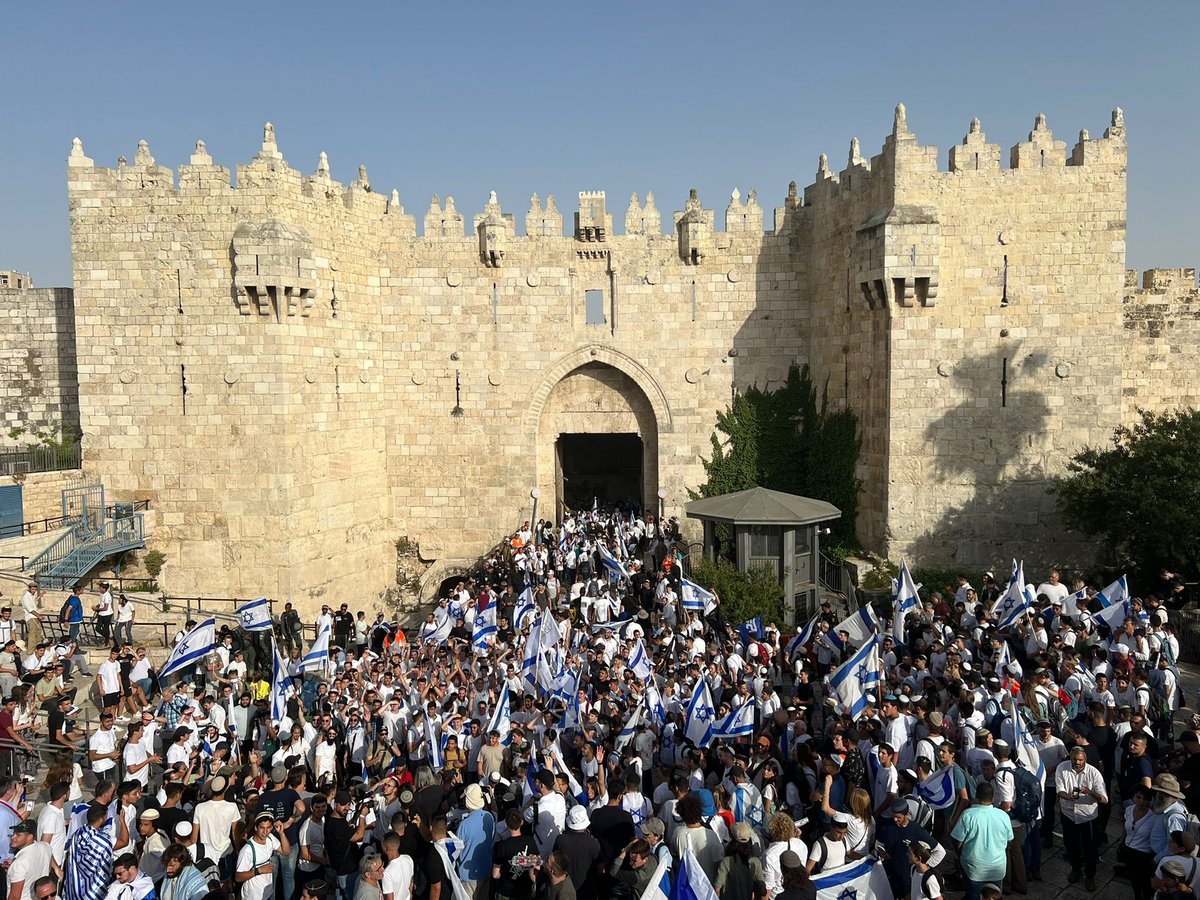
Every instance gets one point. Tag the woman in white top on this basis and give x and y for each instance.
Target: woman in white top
(860, 832)
(1139, 854)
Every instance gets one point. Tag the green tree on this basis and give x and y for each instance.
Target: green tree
(787, 439)
(744, 595)
(1141, 494)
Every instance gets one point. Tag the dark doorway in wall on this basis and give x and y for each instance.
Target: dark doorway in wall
(605, 468)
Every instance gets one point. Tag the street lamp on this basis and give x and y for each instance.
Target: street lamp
(662, 501)
(535, 493)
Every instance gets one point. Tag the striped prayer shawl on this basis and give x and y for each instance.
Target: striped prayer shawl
(89, 864)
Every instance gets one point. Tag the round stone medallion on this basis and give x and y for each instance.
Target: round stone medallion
(454, 279)
(945, 368)
(126, 377)
(495, 378)
(1062, 370)
(533, 279)
(734, 275)
(418, 377)
(231, 377)
(692, 375)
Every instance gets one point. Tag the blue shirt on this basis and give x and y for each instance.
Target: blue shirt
(74, 610)
(984, 832)
(474, 858)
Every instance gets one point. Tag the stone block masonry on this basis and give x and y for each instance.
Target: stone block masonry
(315, 380)
(39, 381)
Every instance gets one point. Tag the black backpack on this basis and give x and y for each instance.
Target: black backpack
(1027, 795)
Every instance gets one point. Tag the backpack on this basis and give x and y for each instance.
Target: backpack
(995, 720)
(1027, 795)
(925, 884)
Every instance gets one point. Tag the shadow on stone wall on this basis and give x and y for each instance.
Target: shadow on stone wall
(996, 457)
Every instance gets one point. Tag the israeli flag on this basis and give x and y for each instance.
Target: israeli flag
(280, 682)
(691, 883)
(317, 657)
(611, 564)
(440, 633)
(738, 723)
(864, 879)
(529, 658)
(631, 726)
(549, 633)
(906, 601)
(525, 609)
(1027, 751)
(639, 663)
(1071, 604)
(192, 647)
(566, 684)
(1014, 602)
(700, 715)
(697, 599)
(501, 719)
(654, 706)
(857, 675)
(802, 639)
(1003, 658)
(484, 627)
(570, 717)
(938, 789)
(659, 887)
(560, 768)
(1112, 616)
(616, 625)
(861, 625)
(1115, 594)
(256, 616)
(751, 630)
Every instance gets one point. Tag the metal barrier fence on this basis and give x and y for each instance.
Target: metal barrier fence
(41, 459)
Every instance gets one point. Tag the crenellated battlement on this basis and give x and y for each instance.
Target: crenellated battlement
(902, 155)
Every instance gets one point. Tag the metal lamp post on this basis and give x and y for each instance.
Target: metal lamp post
(535, 494)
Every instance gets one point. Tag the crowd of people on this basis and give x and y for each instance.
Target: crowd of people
(580, 721)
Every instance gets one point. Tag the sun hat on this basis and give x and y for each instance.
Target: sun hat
(577, 818)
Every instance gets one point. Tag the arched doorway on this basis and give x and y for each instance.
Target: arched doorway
(597, 441)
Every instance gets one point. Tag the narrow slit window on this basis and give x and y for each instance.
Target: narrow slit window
(593, 308)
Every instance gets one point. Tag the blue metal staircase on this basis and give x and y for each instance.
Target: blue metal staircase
(95, 533)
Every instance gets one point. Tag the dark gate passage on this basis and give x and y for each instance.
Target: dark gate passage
(607, 467)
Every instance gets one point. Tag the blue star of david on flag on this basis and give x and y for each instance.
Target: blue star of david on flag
(256, 616)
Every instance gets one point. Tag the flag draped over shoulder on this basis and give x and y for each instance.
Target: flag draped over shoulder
(192, 647)
(1026, 748)
(851, 681)
(938, 789)
(256, 616)
(501, 720)
(861, 880)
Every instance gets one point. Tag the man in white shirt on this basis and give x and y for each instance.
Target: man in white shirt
(215, 820)
(31, 614)
(551, 814)
(108, 682)
(102, 746)
(1080, 789)
(886, 782)
(52, 821)
(1053, 589)
(33, 861)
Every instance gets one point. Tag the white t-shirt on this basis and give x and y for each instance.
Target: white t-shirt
(53, 821)
(125, 612)
(258, 887)
(135, 752)
(30, 864)
(215, 819)
(103, 742)
(105, 606)
(398, 878)
(312, 836)
(110, 677)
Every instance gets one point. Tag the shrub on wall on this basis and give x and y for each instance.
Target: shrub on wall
(787, 439)
(744, 595)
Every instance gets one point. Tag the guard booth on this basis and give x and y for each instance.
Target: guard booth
(773, 529)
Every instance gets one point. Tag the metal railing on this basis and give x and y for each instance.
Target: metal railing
(835, 578)
(75, 553)
(53, 523)
(41, 459)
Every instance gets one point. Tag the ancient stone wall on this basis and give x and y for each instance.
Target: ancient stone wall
(39, 384)
(1161, 318)
(315, 380)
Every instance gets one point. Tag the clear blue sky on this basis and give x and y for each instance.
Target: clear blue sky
(462, 98)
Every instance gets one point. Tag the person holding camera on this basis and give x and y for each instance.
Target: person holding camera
(1081, 791)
